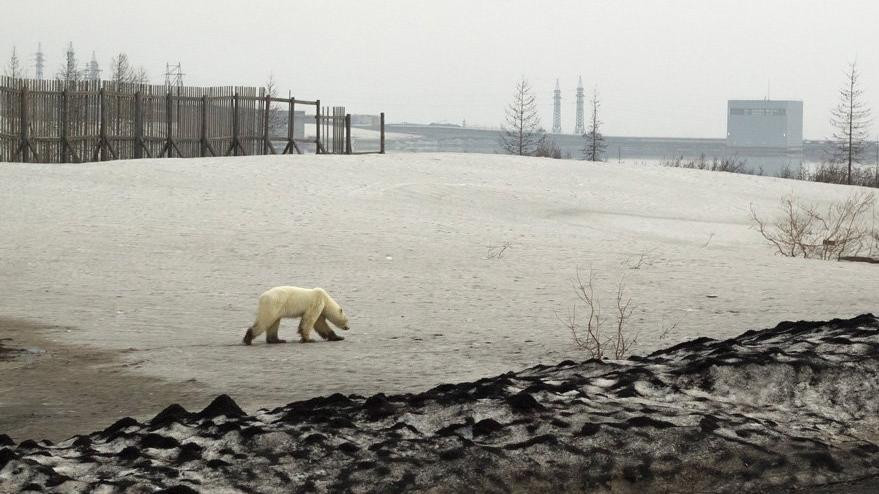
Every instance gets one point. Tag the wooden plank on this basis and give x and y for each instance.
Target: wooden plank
(203, 131)
(24, 145)
(139, 145)
(318, 123)
(102, 129)
(62, 124)
(382, 135)
(348, 133)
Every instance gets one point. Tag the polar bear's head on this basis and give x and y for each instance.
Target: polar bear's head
(334, 313)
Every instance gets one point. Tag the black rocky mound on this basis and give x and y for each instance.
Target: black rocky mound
(793, 407)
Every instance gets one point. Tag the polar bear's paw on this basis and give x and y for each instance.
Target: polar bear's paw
(248, 337)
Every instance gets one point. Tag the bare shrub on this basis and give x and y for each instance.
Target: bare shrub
(838, 173)
(729, 164)
(594, 334)
(786, 172)
(666, 331)
(547, 147)
(843, 228)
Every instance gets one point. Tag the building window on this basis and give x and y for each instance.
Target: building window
(760, 112)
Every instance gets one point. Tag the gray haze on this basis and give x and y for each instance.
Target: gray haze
(662, 68)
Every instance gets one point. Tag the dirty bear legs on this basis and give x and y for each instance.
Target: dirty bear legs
(324, 330)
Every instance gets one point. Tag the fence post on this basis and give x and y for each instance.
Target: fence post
(265, 126)
(203, 134)
(24, 146)
(169, 126)
(235, 123)
(348, 133)
(102, 129)
(290, 125)
(62, 116)
(382, 123)
(317, 126)
(138, 125)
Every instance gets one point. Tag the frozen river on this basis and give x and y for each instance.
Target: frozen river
(164, 259)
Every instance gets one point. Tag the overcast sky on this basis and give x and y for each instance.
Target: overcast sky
(662, 68)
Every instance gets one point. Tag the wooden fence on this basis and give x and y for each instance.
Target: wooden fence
(61, 122)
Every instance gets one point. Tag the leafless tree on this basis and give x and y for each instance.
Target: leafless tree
(851, 118)
(141, 76)
(521, 134)
(120, 70)
(123, 72)
(595, 145)
(69, 72)
(13, 67)
(276, 117)
(843, 228)
(592, 334)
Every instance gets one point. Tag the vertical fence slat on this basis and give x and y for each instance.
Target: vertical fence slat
(382, 133)
(24, 146)
(138, 125)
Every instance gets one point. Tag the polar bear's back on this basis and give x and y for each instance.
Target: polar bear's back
(289, 301)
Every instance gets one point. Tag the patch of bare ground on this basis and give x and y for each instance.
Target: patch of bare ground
(51, 390)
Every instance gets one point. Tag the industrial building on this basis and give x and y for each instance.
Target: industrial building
(766, 124)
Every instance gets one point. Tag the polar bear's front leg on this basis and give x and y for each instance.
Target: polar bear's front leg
(272, 333)
(325, 331)
(304, 333)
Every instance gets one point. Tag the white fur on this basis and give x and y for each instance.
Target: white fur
(313, 305)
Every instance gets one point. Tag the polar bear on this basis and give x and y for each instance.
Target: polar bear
(314, 306)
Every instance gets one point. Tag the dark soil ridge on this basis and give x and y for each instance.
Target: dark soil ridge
(788, 408)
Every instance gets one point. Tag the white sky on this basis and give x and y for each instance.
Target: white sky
(662, 68)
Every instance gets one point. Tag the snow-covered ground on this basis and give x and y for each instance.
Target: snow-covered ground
(165, 259)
